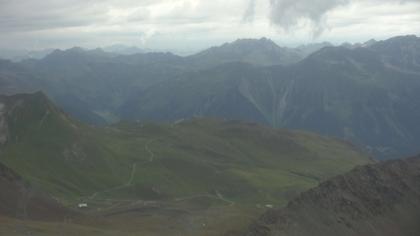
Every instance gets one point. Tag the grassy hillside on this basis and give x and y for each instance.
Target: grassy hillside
(242, 161)
(203, 167)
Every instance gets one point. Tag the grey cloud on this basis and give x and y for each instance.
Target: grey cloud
(249, 12)
(139, 15)
(288, 13)
(20, 16)
(27, 15)
(99, 22)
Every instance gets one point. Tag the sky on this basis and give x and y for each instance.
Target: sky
(189, 25)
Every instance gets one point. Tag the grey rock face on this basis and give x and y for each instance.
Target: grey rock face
(381, 199)
(3, 125)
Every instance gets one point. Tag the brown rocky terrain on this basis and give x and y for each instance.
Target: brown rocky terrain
(19, 200)
(381, 199)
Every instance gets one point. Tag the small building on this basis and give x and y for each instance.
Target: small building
(82, 205)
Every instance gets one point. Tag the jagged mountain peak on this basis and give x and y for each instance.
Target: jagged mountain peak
(245, 44)
(262, 52)
(406, 41)
(77, 54)
(253, 42)
(369, 43)
(401, 53)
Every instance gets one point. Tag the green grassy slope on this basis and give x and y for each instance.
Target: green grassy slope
(227, 160)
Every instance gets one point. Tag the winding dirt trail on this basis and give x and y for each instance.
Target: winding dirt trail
(128, 183)
(151, 158)
(221, 197)
(133, 171)
(147, 148)
(218, 196)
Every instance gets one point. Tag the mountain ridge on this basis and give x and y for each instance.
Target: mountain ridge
(378, 199)
(147, 87)
(260, 52)
(302, 96)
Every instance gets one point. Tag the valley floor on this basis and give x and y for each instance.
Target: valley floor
(125, 218)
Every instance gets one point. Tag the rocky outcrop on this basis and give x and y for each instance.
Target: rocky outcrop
(381, 199)
(3, 125)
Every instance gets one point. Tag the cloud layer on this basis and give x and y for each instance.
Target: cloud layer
(289, 13)
(193, 24)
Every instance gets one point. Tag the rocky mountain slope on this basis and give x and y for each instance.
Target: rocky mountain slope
(366, 94)
(18, 199)
(356, 94)
(93, 84)
(381, 199)
(15, 78)
(262, 52)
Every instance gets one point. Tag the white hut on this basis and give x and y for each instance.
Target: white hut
(82, 205)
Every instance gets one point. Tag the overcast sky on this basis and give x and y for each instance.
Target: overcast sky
(189, 25)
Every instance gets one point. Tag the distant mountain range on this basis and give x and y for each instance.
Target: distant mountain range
(263, 52)
(376, 200)
(124, 50)
(19, 55)
(121, 49)
(365, 93)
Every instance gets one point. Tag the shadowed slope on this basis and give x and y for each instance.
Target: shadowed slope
(18, 199)
(381, 199)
